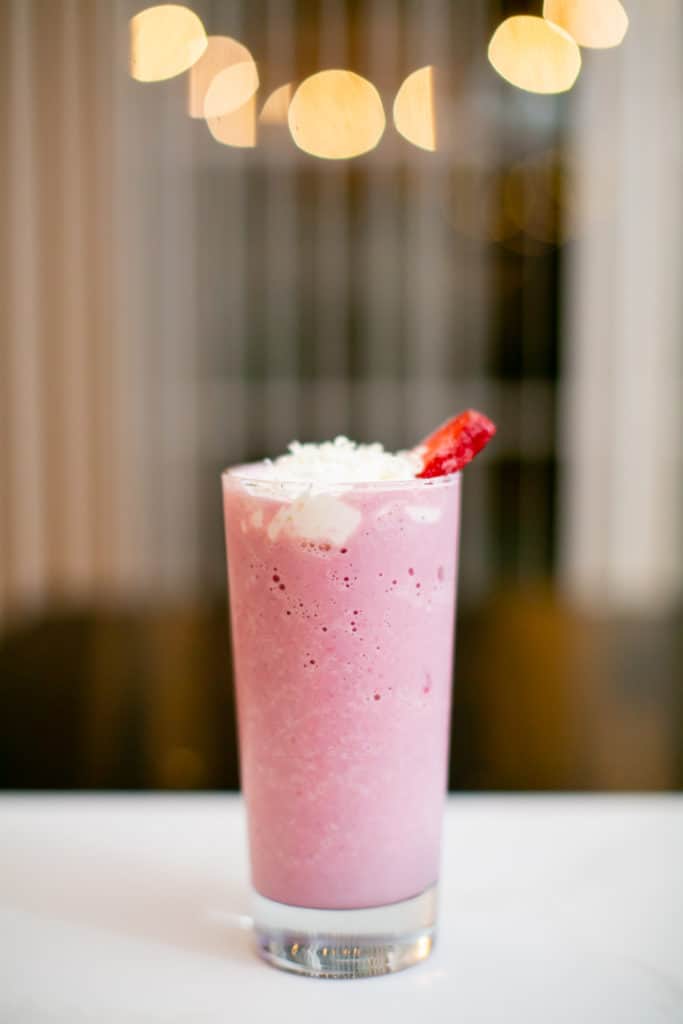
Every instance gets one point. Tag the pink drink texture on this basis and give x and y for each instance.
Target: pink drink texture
(343, 660)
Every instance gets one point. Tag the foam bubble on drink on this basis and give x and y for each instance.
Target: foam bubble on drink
(342, 461)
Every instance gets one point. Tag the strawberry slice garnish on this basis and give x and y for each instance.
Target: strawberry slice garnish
(455, 443)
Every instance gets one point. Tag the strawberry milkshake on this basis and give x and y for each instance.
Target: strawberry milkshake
(342, 569)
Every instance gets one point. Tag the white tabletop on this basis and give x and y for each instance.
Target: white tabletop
(134, 908)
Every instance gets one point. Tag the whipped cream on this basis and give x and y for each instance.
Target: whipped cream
(341, 461)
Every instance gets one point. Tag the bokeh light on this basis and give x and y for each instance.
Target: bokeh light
(598, 24)
(414, 113)
(238, 128)
(336, 115)
(276, 107)
(165, 41)
(230, 89)
(222, 53)
(535, 55)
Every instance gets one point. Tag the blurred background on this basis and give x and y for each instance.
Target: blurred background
(171, 305)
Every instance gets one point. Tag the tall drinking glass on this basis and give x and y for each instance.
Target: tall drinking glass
(342, 606)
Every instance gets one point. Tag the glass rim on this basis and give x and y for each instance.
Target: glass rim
(235, 474)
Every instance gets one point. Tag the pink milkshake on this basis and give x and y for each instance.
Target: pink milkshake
(342, 571)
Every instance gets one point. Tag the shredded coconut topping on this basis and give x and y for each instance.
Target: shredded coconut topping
(341, 461)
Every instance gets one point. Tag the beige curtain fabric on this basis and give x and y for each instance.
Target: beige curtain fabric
(97, 382)
(621, 501)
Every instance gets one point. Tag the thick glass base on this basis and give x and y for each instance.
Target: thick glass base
(346, 943)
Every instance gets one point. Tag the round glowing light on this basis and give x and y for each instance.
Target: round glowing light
(597, 24)
(222, 54)
(274, 110)
(336, 115)
(414, 114)
(535, 54)
(165, 41)
(238, 128)
(230, 89)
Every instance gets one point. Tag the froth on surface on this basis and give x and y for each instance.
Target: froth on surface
(339, 461)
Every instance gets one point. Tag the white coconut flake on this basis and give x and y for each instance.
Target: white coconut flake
(301, 480)
(340, 462)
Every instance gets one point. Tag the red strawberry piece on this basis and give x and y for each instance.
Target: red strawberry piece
(455, 443)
